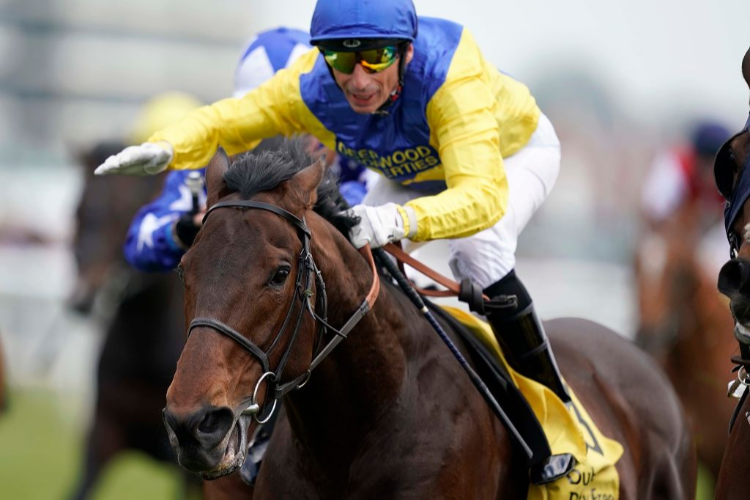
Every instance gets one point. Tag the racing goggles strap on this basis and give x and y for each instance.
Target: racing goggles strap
(372, 60)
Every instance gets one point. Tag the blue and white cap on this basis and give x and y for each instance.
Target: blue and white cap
(267, 53)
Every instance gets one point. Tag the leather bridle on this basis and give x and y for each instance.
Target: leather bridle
(307, 273)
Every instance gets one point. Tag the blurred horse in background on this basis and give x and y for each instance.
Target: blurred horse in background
(684, 323)
(140, 313)
(732, 172)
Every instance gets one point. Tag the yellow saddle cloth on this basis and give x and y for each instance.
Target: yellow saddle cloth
(567, 430)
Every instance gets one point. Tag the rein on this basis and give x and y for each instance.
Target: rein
(533, 455)
(307, 270)
(466, 291)
(453, 288)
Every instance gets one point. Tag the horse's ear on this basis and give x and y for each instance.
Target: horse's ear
(306, 181)
(216, 188)
(746, 67)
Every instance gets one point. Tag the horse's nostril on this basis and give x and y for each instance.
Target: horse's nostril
(214, 420)
(206, 427)
(214, 426)
(734, 277)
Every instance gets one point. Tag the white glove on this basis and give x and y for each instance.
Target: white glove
(380, 225)
(147, 159)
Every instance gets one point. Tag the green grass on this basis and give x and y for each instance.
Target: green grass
(705, 488)
(40, 458)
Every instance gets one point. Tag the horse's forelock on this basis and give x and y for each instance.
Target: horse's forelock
(275, 161)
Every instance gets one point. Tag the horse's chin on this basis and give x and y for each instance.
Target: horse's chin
(235, 453)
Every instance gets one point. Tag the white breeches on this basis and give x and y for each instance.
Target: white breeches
(487, 256)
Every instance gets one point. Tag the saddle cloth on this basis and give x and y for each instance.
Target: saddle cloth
(567, 430)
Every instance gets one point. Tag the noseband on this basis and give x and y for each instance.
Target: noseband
(306, 269)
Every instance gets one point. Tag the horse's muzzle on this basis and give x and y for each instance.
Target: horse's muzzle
(734, 278)
(734, 282)
(211, 441)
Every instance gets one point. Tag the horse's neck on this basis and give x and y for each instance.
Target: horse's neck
(365, 375)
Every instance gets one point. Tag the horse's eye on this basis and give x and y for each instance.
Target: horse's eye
(279, 276)
(180, 273)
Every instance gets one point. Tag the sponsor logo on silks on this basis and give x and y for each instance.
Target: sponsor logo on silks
(585, 479)
(352, 43)
(399, 165)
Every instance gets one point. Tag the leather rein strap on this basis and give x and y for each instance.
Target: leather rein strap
(343, 333)
(454, 289)
(306, 262)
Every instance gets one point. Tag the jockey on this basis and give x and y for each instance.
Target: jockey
(164, 229)
(464, 149)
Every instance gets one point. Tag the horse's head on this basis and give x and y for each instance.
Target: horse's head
(732, 172)
(105, 210)
(248, 284)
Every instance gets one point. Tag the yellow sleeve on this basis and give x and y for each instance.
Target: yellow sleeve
(238, 125)
(465, 130)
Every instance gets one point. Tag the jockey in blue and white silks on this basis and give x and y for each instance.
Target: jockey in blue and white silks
(157, 238)
(463, 150)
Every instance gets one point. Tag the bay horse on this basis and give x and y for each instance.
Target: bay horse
(389, 413)
(141, 315)
(732, 178)
(683, 323)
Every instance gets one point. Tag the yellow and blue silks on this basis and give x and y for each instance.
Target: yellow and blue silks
(455, 120)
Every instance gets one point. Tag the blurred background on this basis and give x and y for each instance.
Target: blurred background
(624, 83)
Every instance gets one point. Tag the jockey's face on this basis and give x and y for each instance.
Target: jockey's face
(366, 92)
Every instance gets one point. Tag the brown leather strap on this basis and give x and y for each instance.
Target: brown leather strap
(454, 289)
(375, 287)
(738, 360)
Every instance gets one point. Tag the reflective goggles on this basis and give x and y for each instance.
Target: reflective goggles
(373, 60)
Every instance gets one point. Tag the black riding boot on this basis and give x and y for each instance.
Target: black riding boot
(521, 335)
(526, 348)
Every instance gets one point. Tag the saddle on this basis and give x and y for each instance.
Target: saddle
(540, 415)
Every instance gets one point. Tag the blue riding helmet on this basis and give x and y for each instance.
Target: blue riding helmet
(356, 25)
(352, 23)
(267, 53)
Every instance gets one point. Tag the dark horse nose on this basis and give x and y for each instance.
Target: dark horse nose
(734, 278)
(197, 435)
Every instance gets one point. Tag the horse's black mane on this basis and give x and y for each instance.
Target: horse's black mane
(277, 160)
